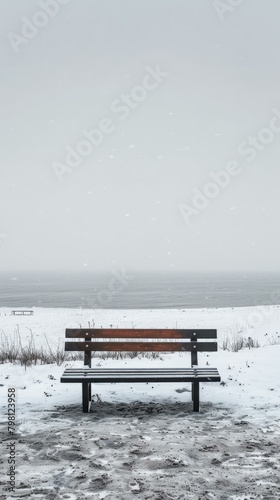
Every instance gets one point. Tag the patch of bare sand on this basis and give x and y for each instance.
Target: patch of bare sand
(150, 451)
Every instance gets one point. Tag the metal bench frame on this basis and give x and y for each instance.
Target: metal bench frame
(170, 341)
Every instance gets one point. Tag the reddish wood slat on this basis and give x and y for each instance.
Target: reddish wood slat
(155, 333)
(141, 346)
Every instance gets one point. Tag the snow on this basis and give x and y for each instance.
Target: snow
(144, 439)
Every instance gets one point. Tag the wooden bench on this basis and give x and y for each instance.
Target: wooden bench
(25, 312)
(138, 340)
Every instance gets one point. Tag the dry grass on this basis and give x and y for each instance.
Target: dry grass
(13, 351)
(239, 342)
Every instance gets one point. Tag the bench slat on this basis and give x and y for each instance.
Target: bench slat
(155, 333)
(139, 372)
(143, 378)
(86, 369)
(142, 346)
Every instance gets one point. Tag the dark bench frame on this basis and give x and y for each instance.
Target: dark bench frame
(189, 341)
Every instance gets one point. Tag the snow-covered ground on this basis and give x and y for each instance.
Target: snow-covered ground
(144, 439)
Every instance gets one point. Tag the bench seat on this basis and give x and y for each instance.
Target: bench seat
(111, 375)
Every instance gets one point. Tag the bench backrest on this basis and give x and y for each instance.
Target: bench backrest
(138, 340)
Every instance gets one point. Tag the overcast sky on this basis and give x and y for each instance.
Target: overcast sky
(115, 117)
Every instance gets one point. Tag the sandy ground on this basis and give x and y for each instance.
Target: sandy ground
(150, 450)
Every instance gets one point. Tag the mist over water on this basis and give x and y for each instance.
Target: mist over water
(134, 291)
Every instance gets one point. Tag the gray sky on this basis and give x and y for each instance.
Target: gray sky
(175, 90)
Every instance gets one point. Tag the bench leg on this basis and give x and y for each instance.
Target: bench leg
(86, 397)
(89, 394)
(195, 391)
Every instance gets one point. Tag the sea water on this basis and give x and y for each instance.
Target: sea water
(135, 291)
